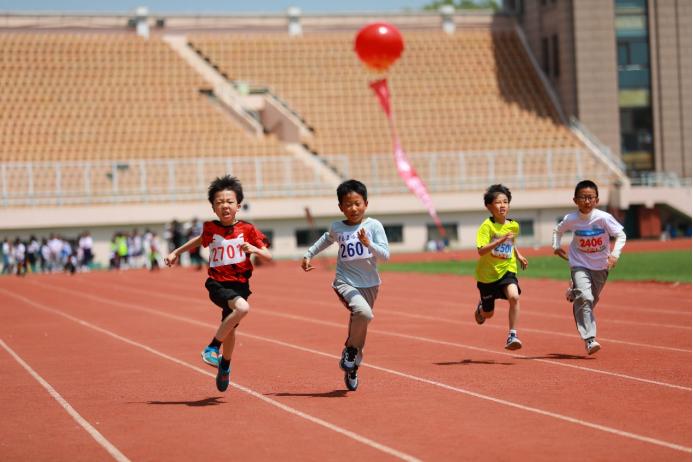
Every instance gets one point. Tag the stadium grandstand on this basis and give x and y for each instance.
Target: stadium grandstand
(111, 122)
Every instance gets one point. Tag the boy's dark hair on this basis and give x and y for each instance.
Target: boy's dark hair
(223, 183)
(493, 191)
(350, 186)
(586, 184)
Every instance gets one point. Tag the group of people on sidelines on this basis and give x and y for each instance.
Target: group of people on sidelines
(46, 255)
(362, 244)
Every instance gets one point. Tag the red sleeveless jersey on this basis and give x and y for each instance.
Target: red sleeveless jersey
(227, 261)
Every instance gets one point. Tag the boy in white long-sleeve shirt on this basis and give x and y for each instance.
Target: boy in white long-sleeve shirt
(590, 256)
(362, 243)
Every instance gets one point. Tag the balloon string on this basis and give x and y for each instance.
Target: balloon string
(404, 168)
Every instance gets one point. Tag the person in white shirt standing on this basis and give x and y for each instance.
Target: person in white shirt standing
(590, 256)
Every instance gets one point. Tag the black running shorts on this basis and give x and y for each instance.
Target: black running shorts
(221, 292)
(491, 291)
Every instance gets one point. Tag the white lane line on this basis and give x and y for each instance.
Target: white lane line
(316, 420)
(603, 305)
(604, 428)
(371, 330)
(93, 432)
(526, 329)
(380, 310)
(470, 347)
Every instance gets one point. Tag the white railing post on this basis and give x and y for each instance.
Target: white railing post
(30, 178)
(520, 164)
(491, 167)
(549, 167)
(87, 182)
(3, 178)
(171, 167)
(143, 180)
(462, 169)
(58, 183)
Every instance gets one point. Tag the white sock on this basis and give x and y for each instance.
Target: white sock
(513, 332)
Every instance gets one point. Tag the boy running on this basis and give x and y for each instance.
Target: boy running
(496, 270)
(362, 243)
(589, 255)
(231, 243)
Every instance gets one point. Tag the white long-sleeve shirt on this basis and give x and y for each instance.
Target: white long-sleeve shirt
(356, 263)
(591, 246)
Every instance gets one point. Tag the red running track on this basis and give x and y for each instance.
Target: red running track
(103, 366)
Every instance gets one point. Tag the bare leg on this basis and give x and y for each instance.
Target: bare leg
(227, 330)
(513, 296)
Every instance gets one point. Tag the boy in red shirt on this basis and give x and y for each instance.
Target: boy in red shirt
(231, 243)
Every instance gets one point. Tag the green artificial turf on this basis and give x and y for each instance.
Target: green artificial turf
(668, 266)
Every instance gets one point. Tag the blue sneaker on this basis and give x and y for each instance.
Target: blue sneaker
(223, 377)
(211, 356)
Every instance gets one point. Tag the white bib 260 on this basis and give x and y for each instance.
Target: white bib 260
(350, 248)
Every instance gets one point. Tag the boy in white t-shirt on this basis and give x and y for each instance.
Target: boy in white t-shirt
(590, 256)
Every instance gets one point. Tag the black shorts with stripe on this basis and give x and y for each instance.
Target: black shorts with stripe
(489, 292)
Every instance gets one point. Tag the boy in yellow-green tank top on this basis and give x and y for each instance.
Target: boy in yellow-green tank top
(496, 270)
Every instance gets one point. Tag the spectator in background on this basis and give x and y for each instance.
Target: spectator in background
(44, 255)
(136, 249)
(86, 244)
(32, 253)
(195, 230)
(154, 252)
(7, 256)
(55, 244)
(20, 256)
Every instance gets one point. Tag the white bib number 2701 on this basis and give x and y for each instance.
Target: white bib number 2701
(225, 251)
(352, 249)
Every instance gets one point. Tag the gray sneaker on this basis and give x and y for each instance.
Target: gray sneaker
(348, 360)
(513, 343)
(351, 379)
(592, 346)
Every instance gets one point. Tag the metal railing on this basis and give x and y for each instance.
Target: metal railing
(151, 180)
(170, 180)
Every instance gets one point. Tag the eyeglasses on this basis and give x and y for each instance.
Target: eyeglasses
(586, 198)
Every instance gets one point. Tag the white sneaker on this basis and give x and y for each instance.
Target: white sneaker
(592, 346)
(513, 343)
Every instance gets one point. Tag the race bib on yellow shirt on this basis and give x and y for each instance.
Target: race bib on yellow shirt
(504, 250)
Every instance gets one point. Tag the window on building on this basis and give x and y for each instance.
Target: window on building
(394, 233)
(269, 234)
(634, 95)
(432, 232)
(556, 68)
(545, 55)
(526, 227)
(306, 237)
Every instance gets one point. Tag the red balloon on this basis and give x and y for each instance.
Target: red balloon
(378, 45)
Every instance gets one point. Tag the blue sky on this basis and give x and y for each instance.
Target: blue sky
(210, 6)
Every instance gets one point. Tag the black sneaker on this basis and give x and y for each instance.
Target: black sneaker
(223, 376)
(351, 379)
(477, 314)
(348, 361)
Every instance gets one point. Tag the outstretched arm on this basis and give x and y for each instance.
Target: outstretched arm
(191, 244)
(523, 261)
